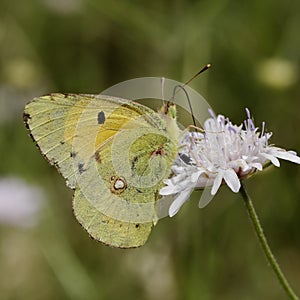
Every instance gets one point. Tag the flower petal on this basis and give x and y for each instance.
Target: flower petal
(195, 176)
(217, 182)
(179, 201)
(290, 156)
(232, 180)
(274, 160)
(167, 190)
(206, 197)
(257, 166)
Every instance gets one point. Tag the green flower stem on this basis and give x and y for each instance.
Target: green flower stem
(264, 244)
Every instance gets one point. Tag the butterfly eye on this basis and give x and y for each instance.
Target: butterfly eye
(169, 109)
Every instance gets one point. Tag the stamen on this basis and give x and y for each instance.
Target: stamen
(211, 112)
(248, 113)
(251, 124)
(263, 128)
(230, 128)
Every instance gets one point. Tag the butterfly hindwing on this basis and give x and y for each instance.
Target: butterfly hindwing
(110, 231)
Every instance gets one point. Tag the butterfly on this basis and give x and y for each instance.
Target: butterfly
(114, 153)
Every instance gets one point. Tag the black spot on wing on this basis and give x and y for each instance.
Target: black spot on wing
(73, 154)
(101, 117)
(81, 168)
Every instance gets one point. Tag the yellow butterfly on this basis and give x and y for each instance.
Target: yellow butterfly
(115, 154)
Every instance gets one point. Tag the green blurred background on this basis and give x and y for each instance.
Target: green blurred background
(85, 46)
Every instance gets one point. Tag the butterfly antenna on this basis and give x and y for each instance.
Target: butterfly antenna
(206, 67)
(176, 89)
(162, 82)
(182, 87)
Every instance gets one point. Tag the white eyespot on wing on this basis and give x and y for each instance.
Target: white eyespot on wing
(119, 184)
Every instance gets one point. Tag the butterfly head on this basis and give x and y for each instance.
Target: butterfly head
(169, 113)
(169, 110)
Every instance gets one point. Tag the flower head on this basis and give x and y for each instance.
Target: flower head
(222, 153)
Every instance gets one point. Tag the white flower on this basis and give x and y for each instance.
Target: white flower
(222, 153)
